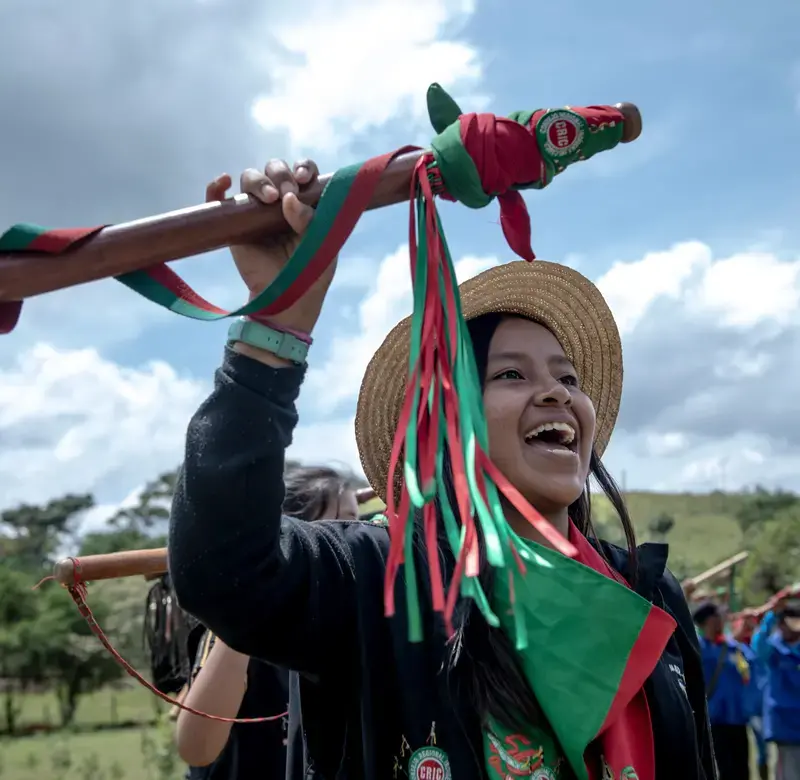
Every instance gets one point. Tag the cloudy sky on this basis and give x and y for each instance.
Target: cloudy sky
(113, 111)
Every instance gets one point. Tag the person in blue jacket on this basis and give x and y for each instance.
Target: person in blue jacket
(731, 689)
(743, 631)
(777, 645)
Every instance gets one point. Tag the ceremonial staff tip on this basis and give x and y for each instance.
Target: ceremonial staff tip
(633, 121)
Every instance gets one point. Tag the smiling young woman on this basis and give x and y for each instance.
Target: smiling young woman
(600, 679)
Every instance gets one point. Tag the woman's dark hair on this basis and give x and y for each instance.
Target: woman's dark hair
(483, 658)
(311, 489)
(171, 635)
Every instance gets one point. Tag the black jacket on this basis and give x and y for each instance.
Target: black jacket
(287, 592)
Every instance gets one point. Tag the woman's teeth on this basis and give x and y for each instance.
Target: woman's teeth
(565, 432)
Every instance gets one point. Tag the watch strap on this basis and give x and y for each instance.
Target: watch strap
(284, 345)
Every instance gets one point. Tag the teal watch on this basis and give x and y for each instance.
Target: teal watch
(283, 345)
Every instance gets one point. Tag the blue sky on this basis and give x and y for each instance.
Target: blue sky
(129, 111)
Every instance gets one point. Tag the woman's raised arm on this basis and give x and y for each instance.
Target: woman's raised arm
(268, 586)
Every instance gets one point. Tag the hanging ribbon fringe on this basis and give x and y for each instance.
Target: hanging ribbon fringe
(473, 159)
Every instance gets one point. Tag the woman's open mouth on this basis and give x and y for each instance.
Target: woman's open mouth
(558, 438)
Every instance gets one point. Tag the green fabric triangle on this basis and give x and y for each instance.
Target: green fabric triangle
(442, 109)
(575, 630)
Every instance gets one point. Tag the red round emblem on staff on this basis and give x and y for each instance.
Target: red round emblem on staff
(430, 769)
(562, 133)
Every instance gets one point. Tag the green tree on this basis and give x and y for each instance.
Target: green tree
(135, 527)
(152, 507)
(114, 540)
(18, 610)
(763, 505)
(62, 648)
(30, 535)
(774, 560)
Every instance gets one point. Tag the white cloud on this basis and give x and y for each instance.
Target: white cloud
(73, 421)
(630, 288)
(665, 443)
(331, 442)
(748, 288)
(710, 384)
(710, 377)
(385, 57)
(703, 335)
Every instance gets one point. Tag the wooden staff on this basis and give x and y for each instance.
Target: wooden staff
(131, 563)
(691, 585)
(133, 246)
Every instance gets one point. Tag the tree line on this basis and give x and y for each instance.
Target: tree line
(44, 641)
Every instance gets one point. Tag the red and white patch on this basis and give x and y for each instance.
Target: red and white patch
(429, 763)
(562, 132)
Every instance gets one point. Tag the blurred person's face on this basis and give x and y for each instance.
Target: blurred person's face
(790, 628)
(713, 626)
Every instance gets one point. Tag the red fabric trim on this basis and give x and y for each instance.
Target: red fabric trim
(644, 656)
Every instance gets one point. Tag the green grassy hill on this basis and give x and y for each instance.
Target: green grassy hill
(705, 531)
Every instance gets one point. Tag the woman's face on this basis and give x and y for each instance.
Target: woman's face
(341, 507)
(541, 424)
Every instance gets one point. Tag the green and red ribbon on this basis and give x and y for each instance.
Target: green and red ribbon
(32, 238)
(474, 159)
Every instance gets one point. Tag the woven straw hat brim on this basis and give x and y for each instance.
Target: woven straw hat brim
(555, 296)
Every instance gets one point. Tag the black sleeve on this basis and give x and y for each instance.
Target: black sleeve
(675, 598)
(269, 586)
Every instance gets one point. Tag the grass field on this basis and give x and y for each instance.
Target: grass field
(103, 755)
(130, 703)
(128, 753)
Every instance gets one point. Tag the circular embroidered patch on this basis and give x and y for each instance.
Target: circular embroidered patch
(429, 763)
(543, 773)
(561, 132)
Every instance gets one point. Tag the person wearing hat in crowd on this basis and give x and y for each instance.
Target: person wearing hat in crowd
(743, 628)
(732, 691)
(310, 596)
(777, 645)
(232, 685)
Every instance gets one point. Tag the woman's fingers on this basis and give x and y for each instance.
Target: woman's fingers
(258, 185)
(217, 189)
(297, 214)
(281, 176)
(305, 172)
(279, 182)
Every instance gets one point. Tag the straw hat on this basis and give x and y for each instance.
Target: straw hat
(561, 299)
